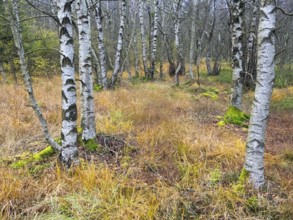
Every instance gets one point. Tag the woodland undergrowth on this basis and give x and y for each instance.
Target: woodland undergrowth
(174, 161)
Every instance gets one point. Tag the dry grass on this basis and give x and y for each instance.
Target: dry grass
(185, 167)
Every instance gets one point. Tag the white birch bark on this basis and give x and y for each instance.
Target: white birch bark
(16, 31)
(209, 41)
(117, 64)
(237, 53)
(191, 51)
(143, 38)
(135, 51)
(177, 28)
(154, 39)
(88, 122)
(102, 53)
(254, 162)
(69, 152)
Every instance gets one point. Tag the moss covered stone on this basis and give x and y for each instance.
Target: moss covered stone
(235, 116)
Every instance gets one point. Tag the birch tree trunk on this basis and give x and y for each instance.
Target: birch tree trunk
(119, 43)
(191, 51)
(88, 122)
(251, 48)
(177, 28)
(209, 41)
(69, 153)
(102, 53)
(143, 38)
(154, 39)
(2, 73)
(135, 51)
(254, 162)
(17, 36)
(237, 34)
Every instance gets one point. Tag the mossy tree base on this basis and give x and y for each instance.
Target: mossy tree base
(234, 116)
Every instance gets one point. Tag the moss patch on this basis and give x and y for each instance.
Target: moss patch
(26, 159)
(211, 92)
(235, 116)
(91, 145)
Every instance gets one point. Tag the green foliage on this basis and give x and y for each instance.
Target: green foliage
(283, 104)
(98, 88)
(211, 92)
(234, 116)
(239, 187)
(91, 144)
(284, 78)
(215, 176)
(136, 80)
(252, 204)
(243, 175)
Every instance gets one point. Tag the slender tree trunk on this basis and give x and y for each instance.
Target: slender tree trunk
(102, 53)
(120, 42)
(209, 41)
(16, 31)
(177, 26)
(69, 152)
(254, 162)
(143, 38)
(3, 74)
(135, 51)
(13, 71)
(237, 34)
(97, 68)
(88, 122)
(251, 64)
(191, 51)
(154, 39)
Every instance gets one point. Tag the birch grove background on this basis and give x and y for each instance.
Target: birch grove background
(146, 109)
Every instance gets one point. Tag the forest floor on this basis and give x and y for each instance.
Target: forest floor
(162, 156)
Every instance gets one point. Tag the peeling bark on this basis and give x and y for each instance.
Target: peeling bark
(88, 123)
(254, 162)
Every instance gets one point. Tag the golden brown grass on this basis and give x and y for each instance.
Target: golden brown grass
(185, 167)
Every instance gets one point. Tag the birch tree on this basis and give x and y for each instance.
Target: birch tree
(254, 162)
(69, 151)
(102, 53)
(237, 34)
(119, 43)
(143, 37)
(17, 36)
(191, 51)
(85, 70)
(154, 39)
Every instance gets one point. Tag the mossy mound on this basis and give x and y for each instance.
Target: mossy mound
(30, 159)
(211, 92)
(234, 116)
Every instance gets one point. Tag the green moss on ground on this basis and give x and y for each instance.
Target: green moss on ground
(26, 159)
(91, 144)
(235, 116)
